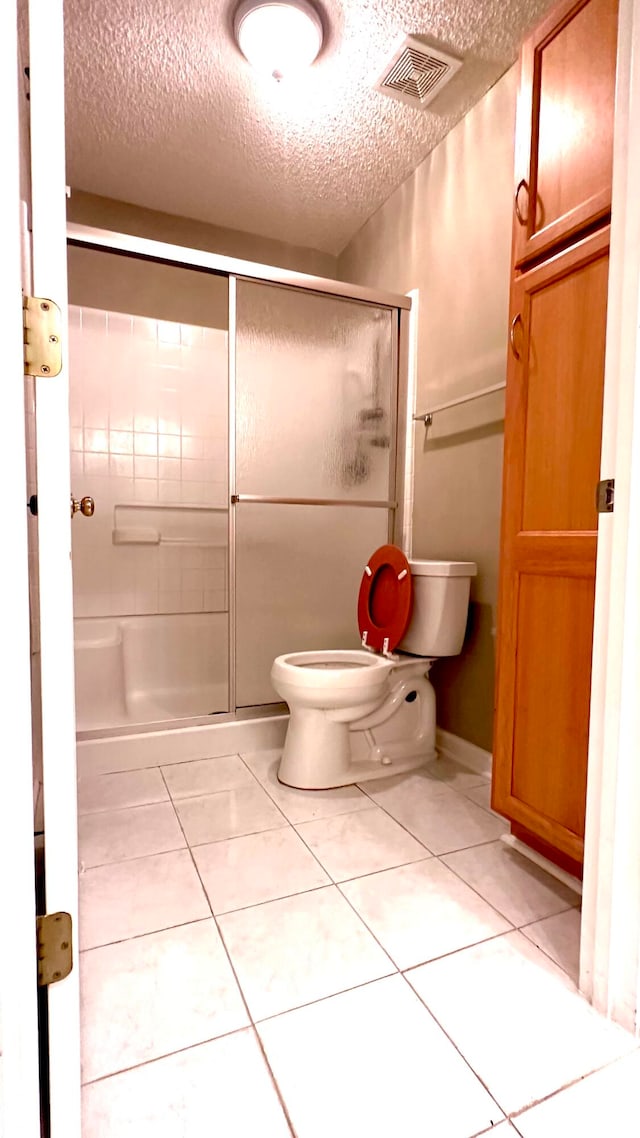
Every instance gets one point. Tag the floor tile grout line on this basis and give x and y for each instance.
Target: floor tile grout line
(177, 798)
(358, 915)
(324, 999)
(430, 856)
(140, 936)
(384, 869)
(329, 885)
(217, 793)
(264, 789)
(125, 860)
(276, 1086)
(115, 809)
(521, 929)
(397, 820)
(273, 900)
(510, 1116)
(572, 1083)
(232, 837)
(473, 889)
(240, 989)
(302, 821)
(455, 951)
(121, 809)
(168, 1055)
(455, 1045)
(84, 869)
(156, 766)
(487, 809)
(443, 853)
(515, 926)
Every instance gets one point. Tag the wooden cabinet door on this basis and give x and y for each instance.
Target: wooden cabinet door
(553, 426)
(564, 144)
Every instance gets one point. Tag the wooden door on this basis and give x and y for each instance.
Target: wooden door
(547, 577)
(564, 145)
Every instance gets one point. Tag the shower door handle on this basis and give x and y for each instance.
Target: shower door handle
(270, 500)
(86, 506)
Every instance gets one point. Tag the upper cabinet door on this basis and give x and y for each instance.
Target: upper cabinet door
(564, 144)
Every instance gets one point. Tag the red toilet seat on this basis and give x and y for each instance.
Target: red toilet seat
(385, 599)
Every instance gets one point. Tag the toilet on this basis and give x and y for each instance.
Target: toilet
(357, 714)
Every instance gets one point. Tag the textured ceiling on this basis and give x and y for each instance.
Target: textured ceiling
(164, 112)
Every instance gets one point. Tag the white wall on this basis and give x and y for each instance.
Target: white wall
(447, 232)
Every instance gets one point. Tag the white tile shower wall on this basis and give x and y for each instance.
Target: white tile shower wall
(149, 413)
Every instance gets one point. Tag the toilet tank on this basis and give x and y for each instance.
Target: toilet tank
(440, 606)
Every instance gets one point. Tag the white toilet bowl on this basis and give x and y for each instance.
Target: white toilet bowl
(349, 714)
(326, 691)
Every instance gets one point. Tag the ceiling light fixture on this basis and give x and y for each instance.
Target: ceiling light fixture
(279, 37)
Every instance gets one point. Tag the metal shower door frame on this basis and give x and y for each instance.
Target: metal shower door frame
(247, 271)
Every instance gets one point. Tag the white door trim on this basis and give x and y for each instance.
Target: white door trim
(49, 262)
(610, 942)
(19, 1093)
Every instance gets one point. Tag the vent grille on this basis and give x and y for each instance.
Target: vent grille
(417, 73)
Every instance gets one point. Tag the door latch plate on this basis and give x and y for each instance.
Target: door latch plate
(42, 324)
(54, 947)
(605, 495)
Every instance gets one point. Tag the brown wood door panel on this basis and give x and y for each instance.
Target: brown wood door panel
(554, 620)
(535, 823)
(565, 125)
(556, 554)
(553, 428)
(563, 405)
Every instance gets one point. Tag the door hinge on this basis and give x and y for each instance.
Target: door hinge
(54, 947)
(605, 495)
(42, 323)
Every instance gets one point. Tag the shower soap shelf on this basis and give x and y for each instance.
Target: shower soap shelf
(139, 523)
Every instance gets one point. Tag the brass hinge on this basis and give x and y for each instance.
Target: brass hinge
(605, 495)
(42, 347)
(54, 945)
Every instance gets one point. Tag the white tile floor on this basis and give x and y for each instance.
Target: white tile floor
(263, 961)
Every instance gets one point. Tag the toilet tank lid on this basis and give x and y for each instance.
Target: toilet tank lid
(443, 568)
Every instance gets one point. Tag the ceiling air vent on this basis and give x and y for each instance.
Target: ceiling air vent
(417, 73)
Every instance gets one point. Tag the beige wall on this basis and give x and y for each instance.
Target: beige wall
(121, 217)
(115, 283)
(447, 232)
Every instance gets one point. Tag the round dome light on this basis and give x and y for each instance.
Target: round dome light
(279, 38)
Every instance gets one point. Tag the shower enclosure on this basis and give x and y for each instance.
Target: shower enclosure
(238, 436)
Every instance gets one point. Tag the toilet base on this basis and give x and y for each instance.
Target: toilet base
(359, 770)
(322, 752)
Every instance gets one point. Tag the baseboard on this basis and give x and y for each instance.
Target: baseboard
(160, 748)
(464, 752)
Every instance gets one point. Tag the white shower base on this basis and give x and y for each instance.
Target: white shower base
(146, 669)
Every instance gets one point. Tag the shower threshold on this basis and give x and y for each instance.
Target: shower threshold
(174, 741)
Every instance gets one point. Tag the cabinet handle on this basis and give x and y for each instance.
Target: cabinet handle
(512, 334)
(522, 218)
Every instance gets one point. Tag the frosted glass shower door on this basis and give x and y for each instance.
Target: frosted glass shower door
(315, 439)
